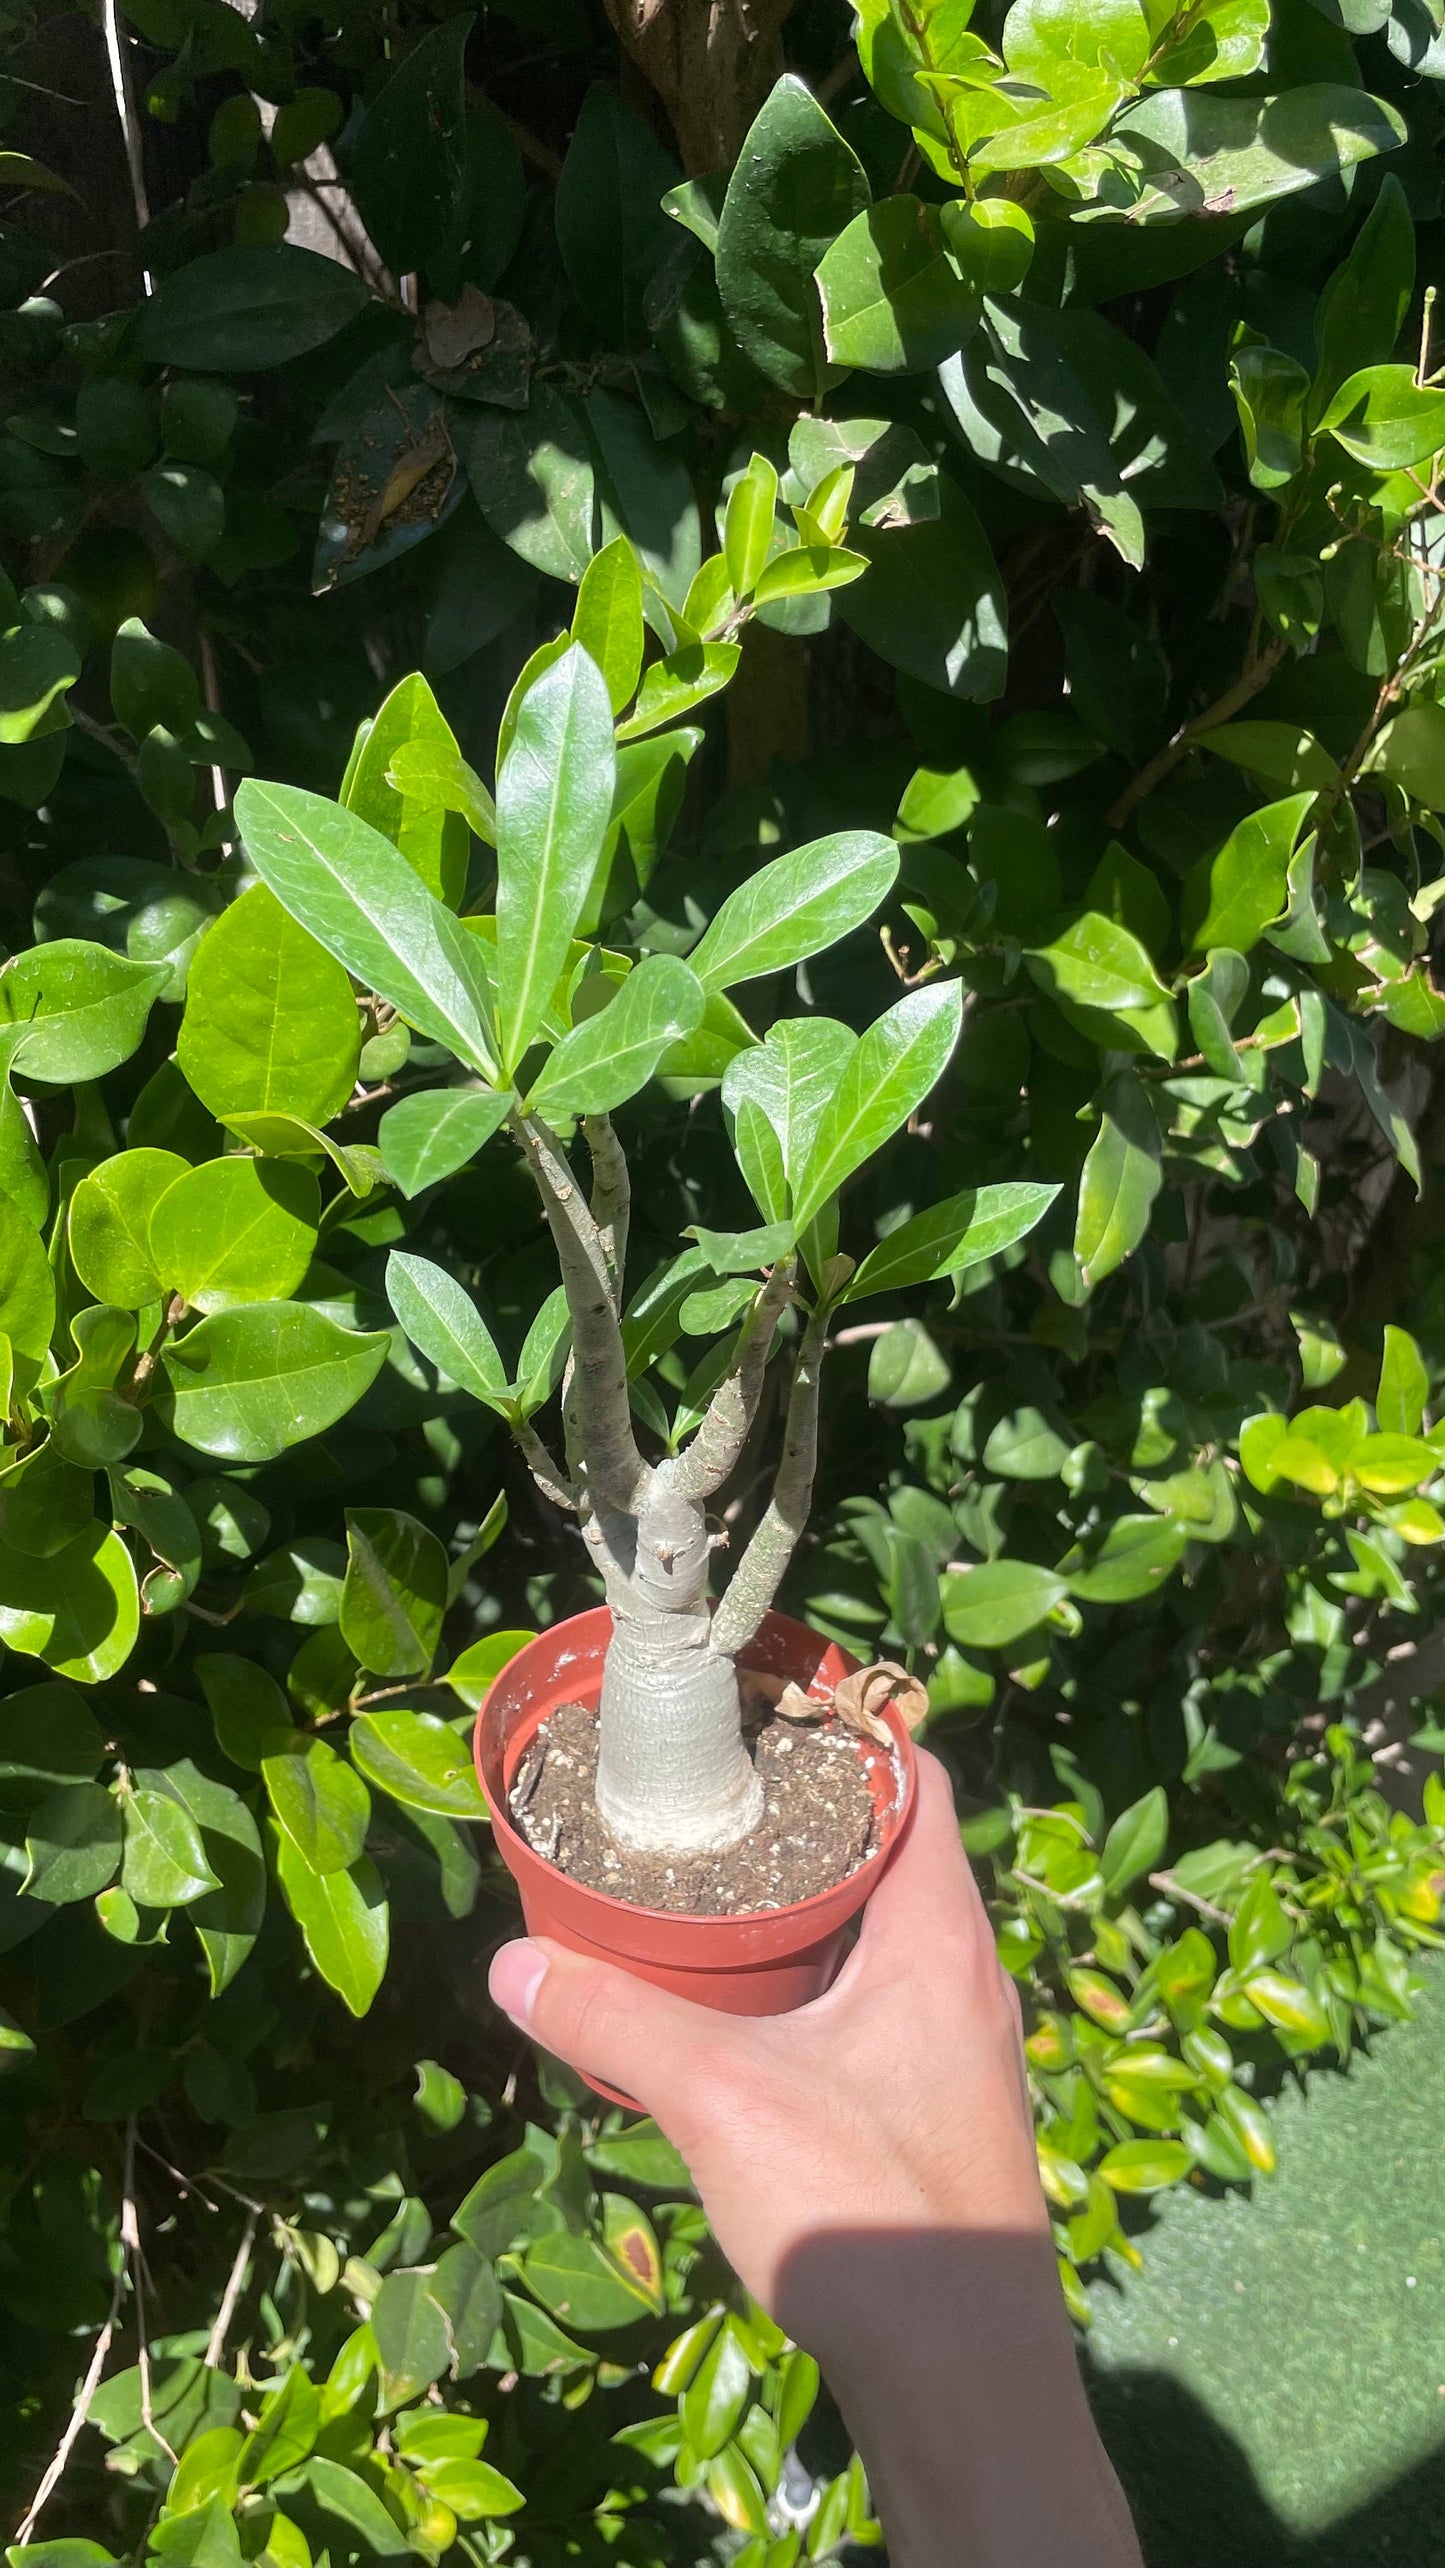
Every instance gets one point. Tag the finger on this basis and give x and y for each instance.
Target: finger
(929, 1887)
(611, 2026)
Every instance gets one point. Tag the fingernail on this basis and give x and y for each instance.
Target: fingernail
(517, 1973)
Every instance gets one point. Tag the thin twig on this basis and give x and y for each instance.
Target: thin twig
(1173, 1889)
(187, 2184)
(232, 2293)
(130, 2236)
(94, 730)
(88, 2387)
(1255, 675)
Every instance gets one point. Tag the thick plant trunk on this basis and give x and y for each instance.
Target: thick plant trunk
(673, 1774)
(672, 1771)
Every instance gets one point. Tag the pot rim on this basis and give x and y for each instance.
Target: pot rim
(822, 1904)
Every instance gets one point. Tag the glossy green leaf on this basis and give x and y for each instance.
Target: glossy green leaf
(893, 299)
(78, 1610)
(607, 1057)
(796, 185)
(988, 1607)
(897, 1062)
(499, 2208)
(27, 1292)
(933, 603)
(83, 1010)
(1386, 419)
(950, 1238)
(285, 2431)
(715, 2397)
(607, 619)
(1230, 898)
(323, 1806)
(1120, 1180)
(1097, 963)
(1363, 306)
(408, 763)
(554, 801)
(248, 1383)
(235, 1231)
(1145, 2166)
(442, 1321)
(1404, 1384)
(109, 1225)
(411, 2336)
(72, 1843)
(748, 524)
(395, 1592)
(247, 1706)
(579, 2283)
(343, 1919)
(1204, 153)
(611, 230)
(795, 907)
(359, 898)
(427, 1138)
(249, 307)
(419, 1760)
(677, 685)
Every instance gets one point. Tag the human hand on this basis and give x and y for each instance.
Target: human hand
(897, 2100)
(868, 2167)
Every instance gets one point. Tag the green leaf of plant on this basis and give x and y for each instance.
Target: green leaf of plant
(1387, 420)
(581, 2284)
(611, 230)
(247, 1706)
(1136, 1841)
(951, 1237)
(79, 1610)
(398, 782)
(72, 1843)
(988, 1607)
(933, 604)
(795, 907)
(714, 2400)
(164, 1863)
(467, 2293)
(360, 899)
(350, 2499)
(235, 1231)
(323, 1806)
(442, 1321)
(893, 299)
(609, 1056)
(395, 1592)
(748, 524)
(473, 2490)
(27, 1290)
(427, 1138)
(1201, 153)
(270, 1022)
(794, 188)
(1231, 897)
(807, 570)
(1135, 1556)
(1404, 1384)
(343, 1919)
(38, 666)
(227, 1919)
(554, 802)
(48, 1736)
(1097, 963)
(109, 1225)
(239, 310)
(248, 1383)
(897, 1061)
(419, 1760)
(411, 2336)
(83, 1010)
(1120, 1180)
(501, 2205)
(1363, 307)
(285, 2431)
(607, 620)
(676, 685)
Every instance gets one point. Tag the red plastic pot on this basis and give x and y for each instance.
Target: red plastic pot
(759, 1965)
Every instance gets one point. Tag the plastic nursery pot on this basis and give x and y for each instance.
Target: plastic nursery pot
(759, 1965)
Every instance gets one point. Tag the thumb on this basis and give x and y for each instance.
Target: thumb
(608, 2024)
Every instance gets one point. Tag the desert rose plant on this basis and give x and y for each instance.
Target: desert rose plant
(545, 1033)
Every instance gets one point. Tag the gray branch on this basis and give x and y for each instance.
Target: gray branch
(759, 1573)
(602, 1451)
(717, 1446)
(548, 1475)
(611, 1196)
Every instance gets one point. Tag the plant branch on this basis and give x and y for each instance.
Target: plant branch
(611, 1196)
(759, 1573)
(717, 1447)
(606, 1455)
(1256, 674)
(548, 1475)
(55, 2470)
(232, 2293)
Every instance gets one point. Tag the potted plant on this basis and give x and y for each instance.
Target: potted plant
(540, 1034)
